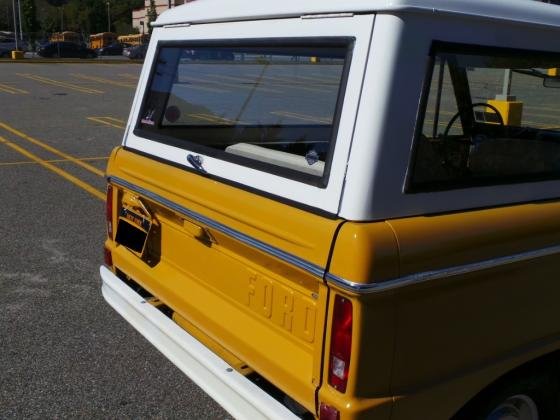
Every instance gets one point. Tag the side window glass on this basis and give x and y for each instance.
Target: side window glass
(491, 117)
(441, 103)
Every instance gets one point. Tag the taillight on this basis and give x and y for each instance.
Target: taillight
(328, 412)
(109, 211)
(341, 343)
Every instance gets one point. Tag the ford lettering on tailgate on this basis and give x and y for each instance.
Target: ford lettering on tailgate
(285, 307)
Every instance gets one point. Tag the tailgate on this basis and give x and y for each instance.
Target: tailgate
(239, 271)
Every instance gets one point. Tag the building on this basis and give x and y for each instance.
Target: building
(139, 16)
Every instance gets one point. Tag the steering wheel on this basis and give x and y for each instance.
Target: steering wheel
(458, 114)
(462, 167)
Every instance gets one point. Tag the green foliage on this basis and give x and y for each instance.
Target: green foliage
(151, 13)
(29, 18)
(57, 3)
(82, 16)
(124, 28)
(6, 17)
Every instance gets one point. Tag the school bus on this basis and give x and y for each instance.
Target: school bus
(134, 39)
(102, 39)
(66, 36)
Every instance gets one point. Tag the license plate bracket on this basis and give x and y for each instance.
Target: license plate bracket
(132, 230)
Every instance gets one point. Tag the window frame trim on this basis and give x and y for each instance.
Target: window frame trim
(322, 182)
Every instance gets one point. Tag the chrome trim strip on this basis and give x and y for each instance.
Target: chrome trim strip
(255, 243)
(425, 276)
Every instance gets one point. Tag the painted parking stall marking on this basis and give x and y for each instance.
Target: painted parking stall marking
(109, 121)
(103, 80)
(129, 76)
(246, 83)
(303, 117)
(69, 177)
(51, 149)
(290, 84)
(58, 83)
(32, 162)
(213, 119)
(12, 90)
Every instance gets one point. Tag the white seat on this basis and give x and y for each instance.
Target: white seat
(276, 157)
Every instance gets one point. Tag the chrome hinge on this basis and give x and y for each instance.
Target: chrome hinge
(327, 15)
(177, 25)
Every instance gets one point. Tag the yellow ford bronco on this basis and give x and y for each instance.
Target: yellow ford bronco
(347, 209)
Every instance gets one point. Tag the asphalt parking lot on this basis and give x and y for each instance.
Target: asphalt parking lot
(64, 351)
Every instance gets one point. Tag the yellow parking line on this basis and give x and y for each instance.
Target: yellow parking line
(115, 119)
(6, 91)
(252, 83)
(441, 112)
(545, 116)
(196, 87)
(542, 108)
(30, 162)
(544, 126)
(289, 83)
(212, 118)
(102, 120)
(52, 149)
(324, 76)
(318, 81)
(71, 86)
(102, 80)
(90, 189)
(440, 124)
(129, 76)
(231, 85)
(303, 117)
(12, 90)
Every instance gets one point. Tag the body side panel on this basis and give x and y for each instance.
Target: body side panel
(464, 331)
(452, 335)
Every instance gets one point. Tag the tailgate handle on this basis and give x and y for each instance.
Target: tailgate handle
(198, 232)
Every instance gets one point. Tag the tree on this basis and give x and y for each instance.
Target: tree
(57, 3)
(151, 14)
(6, 19)
(84, 16)
(29, 19)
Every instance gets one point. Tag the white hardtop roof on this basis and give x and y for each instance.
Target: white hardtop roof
(205, 11)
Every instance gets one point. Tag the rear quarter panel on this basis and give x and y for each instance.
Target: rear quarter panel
(458, 333)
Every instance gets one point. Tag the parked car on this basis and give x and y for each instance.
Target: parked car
(65, 50)
(352, 213)
(137, 52)
(115, 48)
(207, 54)
(10, 44)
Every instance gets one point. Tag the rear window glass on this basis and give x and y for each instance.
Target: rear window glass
(492, 116)
(270, 107)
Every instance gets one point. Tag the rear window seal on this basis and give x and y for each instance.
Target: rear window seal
(321, 182)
